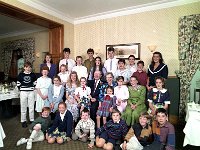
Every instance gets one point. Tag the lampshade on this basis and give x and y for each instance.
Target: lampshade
(152, 47)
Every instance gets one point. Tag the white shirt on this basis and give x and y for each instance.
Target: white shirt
(132, 68)
(56, 91)
(71, 63)
(125, 73)
(121, 92)
(114, 65)
(62, 116)
(79, 91)
(81, 71)
(64, 76)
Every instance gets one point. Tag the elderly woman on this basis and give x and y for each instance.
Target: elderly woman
(97, 67)
(136, 103)
(49, 63)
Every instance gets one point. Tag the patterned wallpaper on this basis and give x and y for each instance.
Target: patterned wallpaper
(158, 27)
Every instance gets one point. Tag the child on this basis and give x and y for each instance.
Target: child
(122, 94)
(26, 84)
(79, 68)
(163, 132)
(64, 74)
(85, 128)
(55, 94)
(115, 129)
(61, 129)
(83, 94)
(158, 97)
(122, 71)
(38, 128)
(105, 107)
(141, 74)
(71, 102)
(139, 134)
(42, 87)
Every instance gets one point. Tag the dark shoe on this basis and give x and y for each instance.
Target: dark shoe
(24, 124)
(30, 122)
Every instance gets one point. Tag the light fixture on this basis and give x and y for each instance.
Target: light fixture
(152, 47)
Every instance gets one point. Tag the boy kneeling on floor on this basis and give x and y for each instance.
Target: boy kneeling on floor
(37, 128)
(85, 128)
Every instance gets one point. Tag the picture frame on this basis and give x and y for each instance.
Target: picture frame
(123, 51)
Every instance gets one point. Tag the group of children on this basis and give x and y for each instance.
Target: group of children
(72, 84)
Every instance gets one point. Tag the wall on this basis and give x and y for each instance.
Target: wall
(68, 27)
(41, 45)
(158, 27)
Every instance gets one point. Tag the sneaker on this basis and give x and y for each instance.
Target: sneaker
(29, 144)
(21, 141)
(24, 124)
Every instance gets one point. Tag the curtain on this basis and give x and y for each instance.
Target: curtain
(189, 56)
(26, 45)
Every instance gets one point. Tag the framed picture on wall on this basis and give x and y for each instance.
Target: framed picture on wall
(122, 51)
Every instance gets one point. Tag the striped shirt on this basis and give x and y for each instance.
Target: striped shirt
(26, 81)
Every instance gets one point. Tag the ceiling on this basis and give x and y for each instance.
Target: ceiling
(79, 11)
(13, 27)
(81, 8)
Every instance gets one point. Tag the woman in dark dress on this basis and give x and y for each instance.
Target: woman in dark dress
(156, 68)
(97, 67)
(49, 63)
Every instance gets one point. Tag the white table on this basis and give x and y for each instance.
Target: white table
(191, 129)
(2, 135)
(10, 95)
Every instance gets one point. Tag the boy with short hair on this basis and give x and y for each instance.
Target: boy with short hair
(139, 134)
(141, 74)
(111, 63)
(67, 61)
(112, 131)
(26, 82)
(37, 128)
(79, 68)
(163, 132)
(85, 128)
(89, 63)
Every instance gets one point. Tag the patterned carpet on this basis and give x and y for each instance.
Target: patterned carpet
(14, 132)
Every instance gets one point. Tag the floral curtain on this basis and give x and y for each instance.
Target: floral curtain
(26, 45)
(189, 55)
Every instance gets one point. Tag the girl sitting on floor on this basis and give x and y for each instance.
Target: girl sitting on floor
(61, 129)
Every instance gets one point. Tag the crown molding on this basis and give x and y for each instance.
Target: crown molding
(133, 10)
(48, 10)
(110, 14)
(18, 33)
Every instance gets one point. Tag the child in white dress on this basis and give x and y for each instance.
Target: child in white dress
(42, 86)
(64, 74)
(83, 94)
(122, 94)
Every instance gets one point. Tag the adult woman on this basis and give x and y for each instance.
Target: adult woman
(97, 67)
(71, 85)
(109, 82)
(136, 103)
(156, 68)
(49, 63)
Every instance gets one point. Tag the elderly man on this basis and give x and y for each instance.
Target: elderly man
(95, 85)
